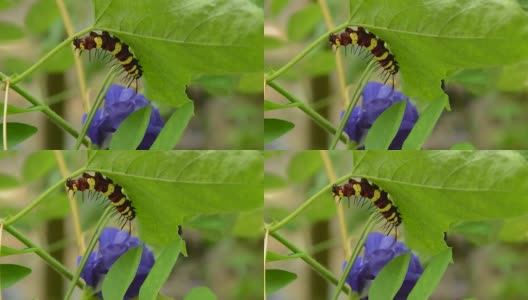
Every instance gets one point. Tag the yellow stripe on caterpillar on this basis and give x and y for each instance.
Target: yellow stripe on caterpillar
(117, 48)
(91, 183)
(373, 44)
(376, 196)
(383, 56)
(120, 202)
(109, 190)
(386, 208)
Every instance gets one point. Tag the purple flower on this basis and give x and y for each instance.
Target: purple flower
(112, 244)
(119, 103)
(379, 251)
(376, 99)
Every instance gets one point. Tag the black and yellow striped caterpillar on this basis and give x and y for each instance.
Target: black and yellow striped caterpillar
(117, 49)
(100, 183)
(372, 43)
(377, 196)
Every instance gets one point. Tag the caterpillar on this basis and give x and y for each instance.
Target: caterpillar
(374, 44)
(117, 49)
(100, 183)
(375, 194)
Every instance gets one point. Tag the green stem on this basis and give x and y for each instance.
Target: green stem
(45, 109)
(56, 265)
(355, 253)
(316, 117)
(296, 59)
(325, 273)
(98, 101)
(46, 57)
(43, 196)
(91, 245)
(355, 98)
(304, 206)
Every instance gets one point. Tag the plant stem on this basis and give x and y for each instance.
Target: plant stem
(361, 85)
(339, 208)
(325, 273)
(296, 59)
(45, 109)
(91, 245)
(355, 253)
(57, 266)
(98, 101)
(316, 117)
(76, 58)
(46, 57)
(32, 205)
(304, 206)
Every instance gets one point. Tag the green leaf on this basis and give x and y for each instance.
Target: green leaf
(304, 165)
(435, 189)
(513, 78)
(277, 279)
(167, 186)
(431, 276)
(17, 133)
(121, 274)
(455, 37)
(513, 229)
(160, 271)
(6, 251)
(390, 278)
(200, 293)
(272, 181)
(12, 110)
(462, 146)
(131, 132)
(172, 131)
(4, 4)
(277, 6)
(41, 16)
(8, 182)
(38, 164)
(302, 22)
(270, 105)
(178, 40)
(275, 128)
(425, 125)
(11, 274)
(385, 128)
(272, 256)
(10, 32)
(249, 224)
(251, 83)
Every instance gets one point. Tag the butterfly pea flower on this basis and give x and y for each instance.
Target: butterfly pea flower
(377, 98)
(112, 244)
(379, 251)
(119, 103)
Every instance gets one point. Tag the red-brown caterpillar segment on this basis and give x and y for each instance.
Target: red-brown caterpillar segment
(374, 44)
(100, 183)
(113, 45)
(372, 192)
